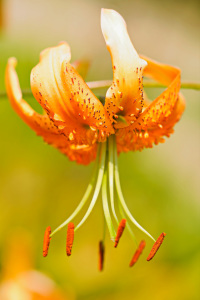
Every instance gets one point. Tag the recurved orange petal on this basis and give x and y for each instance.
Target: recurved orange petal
(45, 83)
(67, 99)
(41, 124)
(125, 96)
(160, 116)
(82, 67)
(161, 108)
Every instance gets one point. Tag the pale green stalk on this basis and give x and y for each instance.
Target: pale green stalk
(127, 223)
(107, 83)
(98, 185)
(106, 207)
(83, 201)
(111, 175)
(122, 201)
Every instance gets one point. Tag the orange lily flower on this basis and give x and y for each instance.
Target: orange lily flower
(19, 280)
(84, 129)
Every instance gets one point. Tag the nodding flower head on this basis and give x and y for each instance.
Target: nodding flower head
(85, 129)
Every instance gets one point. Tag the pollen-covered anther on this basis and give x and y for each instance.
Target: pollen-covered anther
(120, 230)
(101, 255)
(60, 127)
(46, 242)
(92, 128)
(71, 136)
(70, 238)
(137, 253)
(121, 108)
(156, 246)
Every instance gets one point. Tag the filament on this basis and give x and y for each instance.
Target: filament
(98, 184)
(106, 207)
(121, 198)
(127, 223)
(111, 176)
(82, 202)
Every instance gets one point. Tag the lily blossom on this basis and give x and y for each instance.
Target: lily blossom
(20, 280)
(84, 129)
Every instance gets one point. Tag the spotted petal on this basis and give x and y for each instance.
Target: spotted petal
(159, 118)
(66, 98)
(125, 96)
(42, 124)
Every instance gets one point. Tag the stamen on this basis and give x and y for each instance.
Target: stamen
(127, 224)
(156, 246)
(137, 253)
(83, 201)
(70, 238)
(101, 255)
(98, 185)
(111, 175)
(120, 230)
(121, 198)
(106, 207)
(46, 241)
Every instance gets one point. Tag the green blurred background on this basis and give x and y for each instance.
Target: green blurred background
(40, 187)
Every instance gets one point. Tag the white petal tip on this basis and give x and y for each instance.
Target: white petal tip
(111, 15)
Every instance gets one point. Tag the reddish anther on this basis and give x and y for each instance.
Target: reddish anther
(137, 253)
(101, 255)
(120, 230)
(156, 246)
(70, 238)
(46, 241)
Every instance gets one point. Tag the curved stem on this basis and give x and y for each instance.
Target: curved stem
(98, 185)
(122, 201)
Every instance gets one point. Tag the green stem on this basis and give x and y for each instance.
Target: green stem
(98, 185)
(107, 83)
(122, 201)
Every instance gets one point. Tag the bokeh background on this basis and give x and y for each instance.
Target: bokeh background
(40, 187)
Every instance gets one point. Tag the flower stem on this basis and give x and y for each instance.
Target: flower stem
(106, 83)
